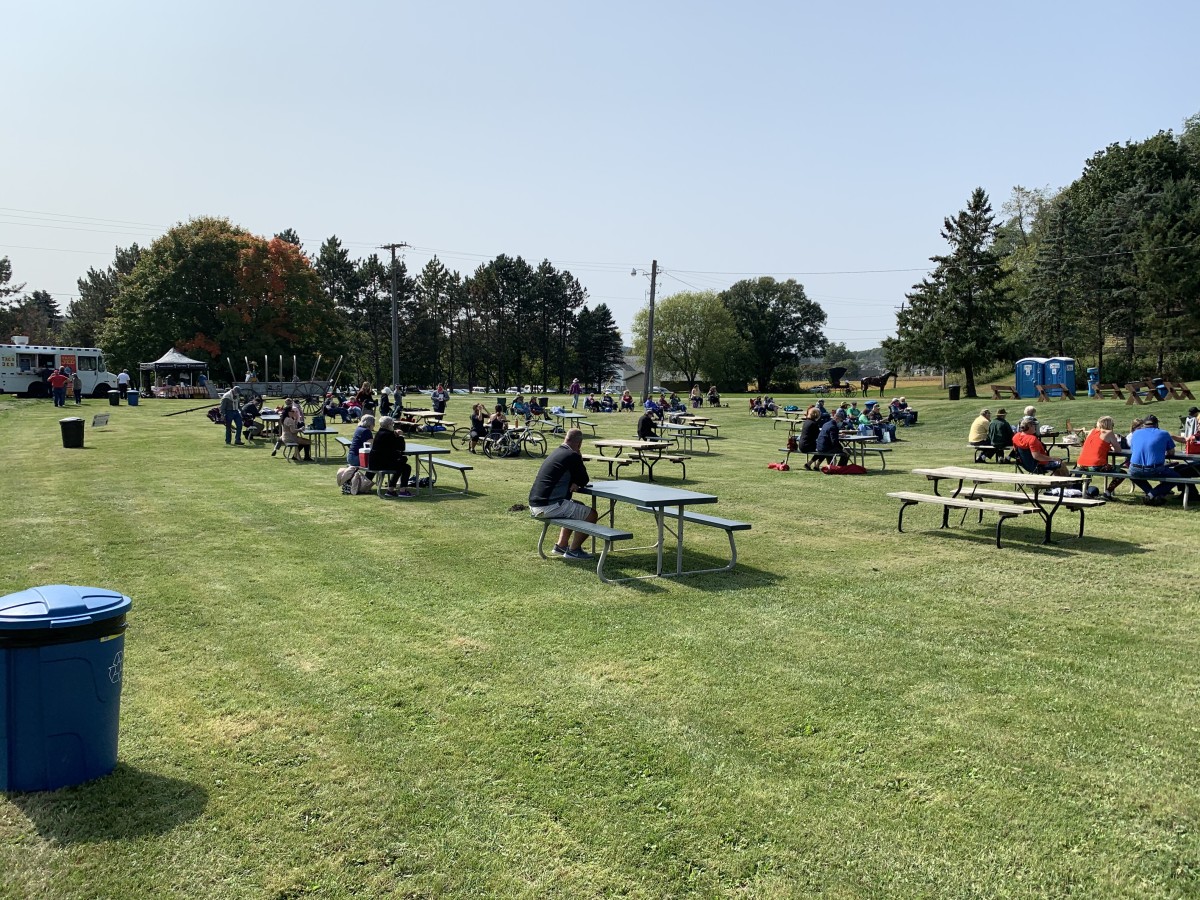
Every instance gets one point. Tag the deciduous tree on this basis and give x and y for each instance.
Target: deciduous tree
(776, 321)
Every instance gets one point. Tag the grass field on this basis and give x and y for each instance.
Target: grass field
(332, 696)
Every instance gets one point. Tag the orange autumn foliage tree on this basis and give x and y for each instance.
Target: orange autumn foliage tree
(212, 289)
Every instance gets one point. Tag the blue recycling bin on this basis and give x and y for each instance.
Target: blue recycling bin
(1093, 376)
(132, 397)
(62, 653)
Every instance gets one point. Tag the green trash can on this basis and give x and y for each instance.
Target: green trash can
(72, 432)
(955, 391)
(114, 398)
(132, 397)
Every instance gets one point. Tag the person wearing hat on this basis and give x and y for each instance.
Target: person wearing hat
(977, 436)
(1149, 448)
(232, 415)
(1000, 434)
(575, 390)
(1032, 451)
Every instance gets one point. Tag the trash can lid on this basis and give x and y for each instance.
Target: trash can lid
(70, 419)
(60, 606)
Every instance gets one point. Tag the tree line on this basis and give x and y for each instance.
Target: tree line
(216, 292)
(1106, 270)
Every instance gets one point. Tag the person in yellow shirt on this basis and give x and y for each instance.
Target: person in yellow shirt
(978, 436)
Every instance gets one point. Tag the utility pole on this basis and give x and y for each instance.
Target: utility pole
(395, 326)
(649, 331)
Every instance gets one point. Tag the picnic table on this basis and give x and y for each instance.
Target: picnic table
(648, 453)
(686, 433)
(320, 440)
(1027, 495)
(670, 508)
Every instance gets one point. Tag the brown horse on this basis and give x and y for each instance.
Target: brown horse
(879, 381)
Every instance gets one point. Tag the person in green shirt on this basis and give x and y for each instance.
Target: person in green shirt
(1000, 434)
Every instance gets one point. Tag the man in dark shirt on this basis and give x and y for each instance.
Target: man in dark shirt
(645, 430)
(829, 442)
(561, 474)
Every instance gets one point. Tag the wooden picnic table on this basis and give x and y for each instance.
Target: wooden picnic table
(648, 453)
(1028, 492)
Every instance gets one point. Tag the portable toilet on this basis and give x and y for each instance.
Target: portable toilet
(1059, 370)
(1029, 375)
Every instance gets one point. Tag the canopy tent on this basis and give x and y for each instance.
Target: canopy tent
(174, 363)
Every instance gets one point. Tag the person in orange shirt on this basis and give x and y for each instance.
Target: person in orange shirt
(1032, 451)
(1094, 455)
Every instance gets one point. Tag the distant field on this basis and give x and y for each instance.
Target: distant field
(331, 696)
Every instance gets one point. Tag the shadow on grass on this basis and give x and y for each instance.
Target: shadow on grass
(742, 575)
(127, 803)
(1064, 544)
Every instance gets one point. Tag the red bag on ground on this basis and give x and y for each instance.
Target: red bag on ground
(852, 469)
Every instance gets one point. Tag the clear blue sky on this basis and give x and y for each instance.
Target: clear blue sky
(820, 141)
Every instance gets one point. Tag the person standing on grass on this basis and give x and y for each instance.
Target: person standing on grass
(439, 398)
(575, 390)
(58, 386)
(232, 416)
(77, 388)
(563, 473)
(123, 383)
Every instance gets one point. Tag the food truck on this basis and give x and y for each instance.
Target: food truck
(24, 368)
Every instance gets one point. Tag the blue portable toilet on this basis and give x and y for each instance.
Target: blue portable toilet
(1059, 370)
(62, 654)
(1029, 375)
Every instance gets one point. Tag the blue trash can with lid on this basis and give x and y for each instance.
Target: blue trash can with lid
(62, 655)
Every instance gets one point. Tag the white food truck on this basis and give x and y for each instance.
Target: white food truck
(24, 368)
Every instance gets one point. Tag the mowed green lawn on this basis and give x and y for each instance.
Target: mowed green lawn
(333, 696)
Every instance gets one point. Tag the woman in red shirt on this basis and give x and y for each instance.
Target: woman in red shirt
(1094, 455)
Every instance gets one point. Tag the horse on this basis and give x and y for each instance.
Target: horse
(879, 381)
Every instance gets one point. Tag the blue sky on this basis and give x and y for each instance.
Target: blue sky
(824, 142)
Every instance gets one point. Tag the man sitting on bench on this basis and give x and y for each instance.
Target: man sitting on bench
(1032, 452)
(563, 473)
(1149, 448)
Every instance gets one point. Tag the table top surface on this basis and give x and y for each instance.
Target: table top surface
(569, 415)
(962, 473)
(427, 414)
(319, 431)
(637, 445)
(672, 426)
(269, 416)
(696, 418)
(646, 494)
(410, 447)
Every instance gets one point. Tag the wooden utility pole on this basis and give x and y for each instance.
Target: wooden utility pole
(650, 334)
(395, 325)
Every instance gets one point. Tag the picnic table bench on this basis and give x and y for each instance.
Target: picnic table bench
(614, 463)
(1004, 392)
(649, 459)
(1045, 395)
(1109, 391)
(910, 498)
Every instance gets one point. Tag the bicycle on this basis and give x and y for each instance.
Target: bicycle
(513, 441)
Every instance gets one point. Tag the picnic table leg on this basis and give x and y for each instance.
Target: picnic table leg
(679, 542)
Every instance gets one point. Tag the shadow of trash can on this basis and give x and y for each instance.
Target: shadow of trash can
(114, 398)
(72, 432)
(132, 397)
(955, 391)
(63, 650)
